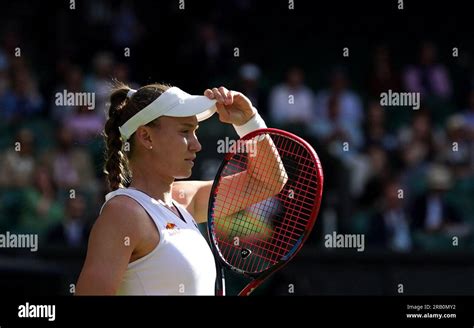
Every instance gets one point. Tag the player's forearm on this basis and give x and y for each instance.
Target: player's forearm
(265, 164)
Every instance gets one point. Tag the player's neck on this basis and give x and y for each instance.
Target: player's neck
(153, 185)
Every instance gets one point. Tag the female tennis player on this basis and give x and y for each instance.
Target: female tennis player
(145, 240)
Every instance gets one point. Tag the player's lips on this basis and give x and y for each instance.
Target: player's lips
(190, 160)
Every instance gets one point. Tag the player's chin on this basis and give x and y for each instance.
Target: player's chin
(184, 174)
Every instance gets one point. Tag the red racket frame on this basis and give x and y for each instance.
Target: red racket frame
(259, 278)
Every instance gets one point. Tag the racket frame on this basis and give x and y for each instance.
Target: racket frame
(260, 277)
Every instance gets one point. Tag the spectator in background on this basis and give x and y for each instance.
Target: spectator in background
(41, 208)
(429, 77)
(374, 128)
(99, 82)
(430, 212)
(334, 129)
(458, 149)
(87, 124)
(23, 100)
(349, 101)
(70, 165)
(18, 163)
(343, 141)
(73, 231)
(73, 82)
(292, 102)
(84, 124)
(377, 172)
(383, 77)
(390, 226)
(248, 84)
(419, 143)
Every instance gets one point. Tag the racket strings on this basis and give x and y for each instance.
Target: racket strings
(271, 253)
(257, 237)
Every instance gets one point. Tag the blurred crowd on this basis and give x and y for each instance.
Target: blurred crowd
(403, 177)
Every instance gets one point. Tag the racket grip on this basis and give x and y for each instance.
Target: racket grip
(220, 283)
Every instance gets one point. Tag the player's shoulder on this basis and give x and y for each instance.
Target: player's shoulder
(122, 203)
(122, 213)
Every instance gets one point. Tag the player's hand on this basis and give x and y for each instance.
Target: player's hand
(232, 106)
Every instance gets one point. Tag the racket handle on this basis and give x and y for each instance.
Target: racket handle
(249, 288)
(220, 283)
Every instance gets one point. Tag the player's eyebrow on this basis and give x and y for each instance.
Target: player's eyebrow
(190, 125)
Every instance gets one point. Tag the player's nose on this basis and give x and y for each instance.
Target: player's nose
(195, 145)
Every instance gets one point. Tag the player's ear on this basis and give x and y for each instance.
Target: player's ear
(143, 137)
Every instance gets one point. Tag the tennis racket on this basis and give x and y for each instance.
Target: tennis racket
(263, 205)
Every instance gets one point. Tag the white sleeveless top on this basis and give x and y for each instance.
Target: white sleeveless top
(181, 264)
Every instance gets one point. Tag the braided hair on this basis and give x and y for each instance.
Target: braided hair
(121, 109)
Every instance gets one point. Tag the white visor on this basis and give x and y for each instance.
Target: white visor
(173, 102)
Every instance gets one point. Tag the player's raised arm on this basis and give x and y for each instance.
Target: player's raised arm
(265, 175)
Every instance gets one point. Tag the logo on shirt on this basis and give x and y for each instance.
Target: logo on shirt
(172, 228)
